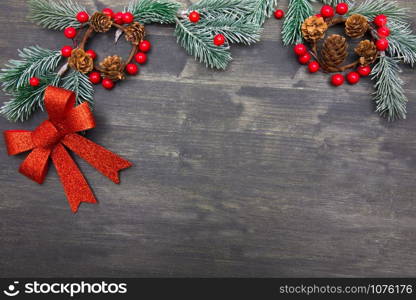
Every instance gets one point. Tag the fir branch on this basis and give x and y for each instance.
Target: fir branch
(373, 8)
(81, 85)
(212, 9)
(261, 10)
(389, 96)
(154, 11)
(198, 41)
(402, 43)
(26, 99)
(55, 14)
(297, 12)
(35, 62)
(335, 2)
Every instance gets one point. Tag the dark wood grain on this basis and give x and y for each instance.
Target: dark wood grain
(262, 170)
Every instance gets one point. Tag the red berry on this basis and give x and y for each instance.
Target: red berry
(145, 46)
(219, 40)
(342, 8)
(313, 67)
(108, 83)
(194, 16)
(91, 53)
(278, 14)
(118, 18)
(109, 12)
(300, 49)
(380, 20)
(353, 77)
(364, 70)
(95, 77)
(83, 17)
(305, 58)
(327, 11)
(382, 44)
(318, 15)
(141, 58)
(128, 18)
(132, 69)
(66, 51)
(70, 32)
(337, 79)
(34, 81)
(383, 32)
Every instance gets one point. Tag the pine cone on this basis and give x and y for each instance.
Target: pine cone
(81, 61)
(135, 33)
(314, 28)
(356, 26)
(100, 22)
(367, 51)
(334, 52)
(112, 67)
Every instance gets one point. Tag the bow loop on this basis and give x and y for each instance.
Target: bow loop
(46, 135)
(58, 103)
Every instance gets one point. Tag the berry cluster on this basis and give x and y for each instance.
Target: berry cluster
(194, 17)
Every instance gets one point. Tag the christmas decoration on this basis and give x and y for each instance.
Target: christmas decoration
(386, 36)
(278, 14)
(50, 141)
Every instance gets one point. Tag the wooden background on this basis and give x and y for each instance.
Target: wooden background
(262, 170)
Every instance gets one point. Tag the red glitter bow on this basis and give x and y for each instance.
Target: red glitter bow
(48, 140)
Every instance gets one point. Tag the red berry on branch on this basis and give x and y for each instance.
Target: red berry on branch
(95, 77)
(83, 17)
(337, 79)
(327, 11)
(353, 77)
(107, 83)
(91, 53)
(132, 69)
(342, 8)
(383, 32)
(34, 81)
(70, 32)
(305, 58)
(128, 18)
(380, 20)
(109, 12)
(300, 49)
(145, 46)
(278, 14)
(364, 70)
(118, 18)
(382, 44)
(313, 67)
(219, 40)
(141, 58)
(194, 16)
(66, 51)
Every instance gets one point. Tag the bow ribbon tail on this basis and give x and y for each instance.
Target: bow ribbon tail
(105, 161)
(75, 185)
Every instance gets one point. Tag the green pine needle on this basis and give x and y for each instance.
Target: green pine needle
(297, 12)
(402, 43)
(373, 8)
(81, 85)
(389, 96)
(261, 10)
(335, 2)
(154, 11)
(55, 14)
(212, 9)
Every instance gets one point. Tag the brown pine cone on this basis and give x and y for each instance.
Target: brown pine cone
(100, 22)
(367, 51)
(314, 28)
(112, 67)
(81, 61)
(356, 26)
(333, 53)
(135, 33)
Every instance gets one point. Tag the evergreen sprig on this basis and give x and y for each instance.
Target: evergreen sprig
(55, 14)
(298, 11)
(334, 2)
(373, 8)
(402, 43)
(154, 11)
(389, 96)
(81, 85)
(212, 9)
(261, 9)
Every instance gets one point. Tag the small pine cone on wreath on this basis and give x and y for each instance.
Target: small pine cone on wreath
(356, 26)
(81, 61)
(135, 33)
(367, 51)
(112, 68)
(334, 52)
(314, 28)
(101, 22)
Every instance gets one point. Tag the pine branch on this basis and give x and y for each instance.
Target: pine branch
(35, 62)
(335, 2)
(373, 8)
(198, 41)
(297, 12)
(212, 9)
(26, 99)
(389, 96)
(56, 15)
(80, 84)
(402, 43)
(154, 11)
(261, 10)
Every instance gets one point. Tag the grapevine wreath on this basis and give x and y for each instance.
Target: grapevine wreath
(386, 40)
